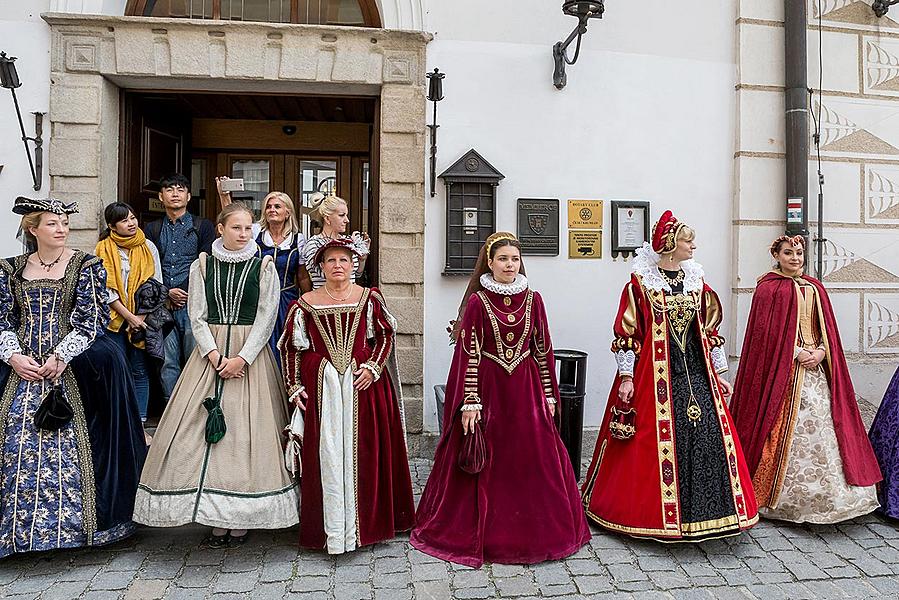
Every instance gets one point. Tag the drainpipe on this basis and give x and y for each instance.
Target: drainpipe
(797, 134)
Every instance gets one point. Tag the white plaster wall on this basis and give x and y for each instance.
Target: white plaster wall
(649, 113)
(25, 35)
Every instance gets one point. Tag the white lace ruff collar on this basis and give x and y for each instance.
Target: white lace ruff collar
(646, 265)
(233, 256)
(506, 289)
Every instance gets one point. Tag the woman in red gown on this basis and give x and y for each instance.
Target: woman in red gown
(523, 506)
(339, 367)
(667, 463)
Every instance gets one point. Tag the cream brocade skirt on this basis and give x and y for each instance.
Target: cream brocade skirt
(241, 481)
(814, 488)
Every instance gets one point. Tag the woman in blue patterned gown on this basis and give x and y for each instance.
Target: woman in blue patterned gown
(73, 483)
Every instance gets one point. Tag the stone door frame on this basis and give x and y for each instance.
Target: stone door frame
(93, 57)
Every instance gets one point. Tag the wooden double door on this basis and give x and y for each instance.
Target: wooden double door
(159, 135)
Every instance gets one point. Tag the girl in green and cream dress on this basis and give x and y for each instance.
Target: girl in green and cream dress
(217, 455)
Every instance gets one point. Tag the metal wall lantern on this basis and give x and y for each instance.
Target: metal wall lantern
(435, 95)
(881, 7)
(583, 10)
(9, 79)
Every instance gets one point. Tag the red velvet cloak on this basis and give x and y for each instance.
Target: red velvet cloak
(764, 376)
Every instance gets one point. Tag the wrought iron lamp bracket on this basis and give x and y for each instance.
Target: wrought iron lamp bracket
(881, 7)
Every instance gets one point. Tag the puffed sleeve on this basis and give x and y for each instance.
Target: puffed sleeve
(266, 311)
(90, 313)
(628, 328)
(381, 331)
(711, 319)
(197, 307)
(471, 340)
(9, 319)
(294, 341)
(542, 348)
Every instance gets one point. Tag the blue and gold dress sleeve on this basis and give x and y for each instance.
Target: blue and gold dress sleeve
(9, 319)
(90, 312)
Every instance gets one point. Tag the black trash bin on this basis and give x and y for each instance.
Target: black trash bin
(572, 391)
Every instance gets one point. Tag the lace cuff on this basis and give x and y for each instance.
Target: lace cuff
(373, 368)
(295, 395)
(9, 345)
(471, 406)
(72, 345)
(719, 360)
(626, 360)
(550, 400)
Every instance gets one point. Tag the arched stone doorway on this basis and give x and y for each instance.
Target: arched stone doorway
(94, 58)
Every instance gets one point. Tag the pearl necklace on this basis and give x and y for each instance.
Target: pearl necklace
(350, 293)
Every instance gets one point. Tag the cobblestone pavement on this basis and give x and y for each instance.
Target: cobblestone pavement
(858, 559)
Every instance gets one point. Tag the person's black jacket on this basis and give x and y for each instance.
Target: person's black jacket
(202, 228)
(149, 299)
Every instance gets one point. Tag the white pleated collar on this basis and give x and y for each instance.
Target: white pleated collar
(506, 289)
(234, 256)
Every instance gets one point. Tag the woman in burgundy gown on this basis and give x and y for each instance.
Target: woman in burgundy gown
(523, 507)
(339, 366)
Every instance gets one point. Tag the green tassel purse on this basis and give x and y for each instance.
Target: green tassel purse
(215, 420)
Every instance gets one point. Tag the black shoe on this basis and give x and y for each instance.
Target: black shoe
(235, 541)
(215, 541)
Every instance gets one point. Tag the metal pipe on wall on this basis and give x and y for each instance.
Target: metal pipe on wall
(796, 107)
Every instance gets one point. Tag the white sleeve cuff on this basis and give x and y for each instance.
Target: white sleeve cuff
(9, 345)
(626, 359)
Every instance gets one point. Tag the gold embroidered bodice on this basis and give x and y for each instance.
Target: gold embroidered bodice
(338, 327)
(511, 325)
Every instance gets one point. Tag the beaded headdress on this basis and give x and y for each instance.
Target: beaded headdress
(496, 237)
(26, 206)
(797, 241)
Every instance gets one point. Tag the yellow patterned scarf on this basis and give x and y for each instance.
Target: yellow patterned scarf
(142, 269)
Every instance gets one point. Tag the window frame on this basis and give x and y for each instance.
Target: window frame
(369, 8)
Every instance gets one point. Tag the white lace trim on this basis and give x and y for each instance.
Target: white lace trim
(626, 359)
(646, 265)
(372, 368)
(234, 256)
(506, 289)
(72, 345)
(9, 345)
(719, 360)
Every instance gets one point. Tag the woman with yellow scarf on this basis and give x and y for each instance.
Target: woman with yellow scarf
(129, 261)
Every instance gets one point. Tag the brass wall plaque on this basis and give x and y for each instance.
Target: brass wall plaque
(585, 244)
(538, 226)
(585, 214)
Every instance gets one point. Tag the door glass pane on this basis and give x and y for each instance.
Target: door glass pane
(316, 176)
(331, 12)
(366, 195)
(256, 175)
(197, 186)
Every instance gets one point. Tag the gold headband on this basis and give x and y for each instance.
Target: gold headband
(501, 236)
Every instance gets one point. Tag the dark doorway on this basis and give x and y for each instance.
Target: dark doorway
(295, 144)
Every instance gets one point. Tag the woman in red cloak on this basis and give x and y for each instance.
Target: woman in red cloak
(523, 506)
(339, 366)
(794, 407)
(667, 464)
